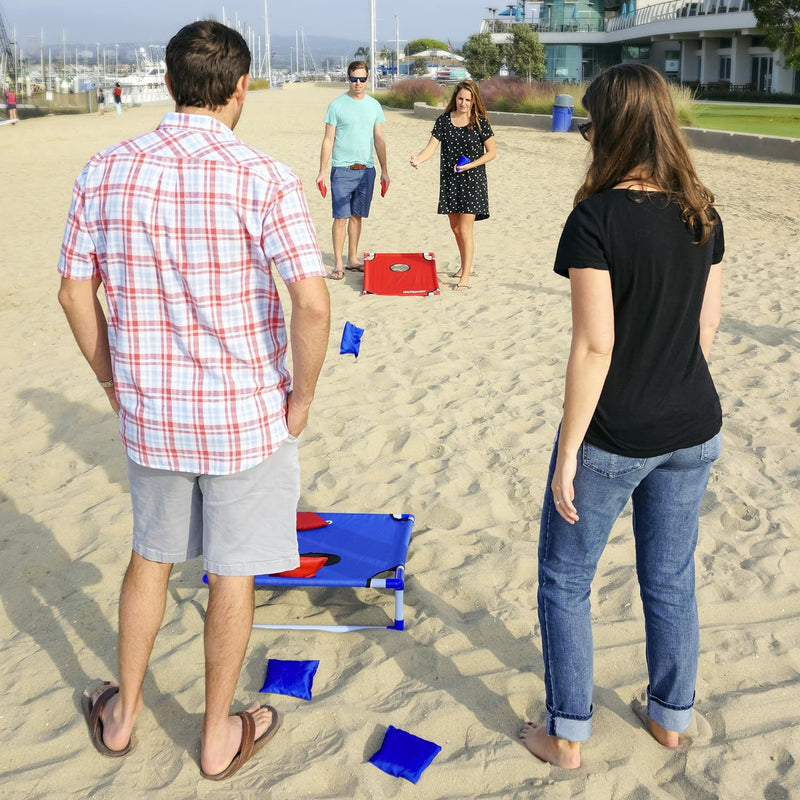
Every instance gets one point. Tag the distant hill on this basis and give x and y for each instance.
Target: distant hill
(327, 52)
(324, 52)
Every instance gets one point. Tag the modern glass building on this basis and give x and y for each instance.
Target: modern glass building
(697, 42)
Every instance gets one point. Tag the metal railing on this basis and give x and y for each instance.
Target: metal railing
(671, 9)
(563, 24)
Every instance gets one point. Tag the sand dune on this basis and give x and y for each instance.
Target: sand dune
(448, 413)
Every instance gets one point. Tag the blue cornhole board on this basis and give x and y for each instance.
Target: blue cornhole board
(362, 546)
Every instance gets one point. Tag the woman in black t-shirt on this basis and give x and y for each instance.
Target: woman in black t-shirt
(642, 250)
(468, 145)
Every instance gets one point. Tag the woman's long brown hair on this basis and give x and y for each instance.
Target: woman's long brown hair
(477, 109)
(635, 134)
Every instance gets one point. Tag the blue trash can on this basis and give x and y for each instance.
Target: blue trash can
(562, 112)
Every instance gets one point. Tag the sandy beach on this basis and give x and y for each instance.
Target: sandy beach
(449, 414)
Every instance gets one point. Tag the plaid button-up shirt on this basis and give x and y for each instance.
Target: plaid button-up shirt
(182, 225)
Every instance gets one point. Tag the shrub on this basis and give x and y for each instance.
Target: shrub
(510, 94)
(404, 93)
(683, 100)
(259, 83)
(496, 91)
(747, 96)
(520, 97)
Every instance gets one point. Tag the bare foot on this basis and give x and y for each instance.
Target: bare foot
(664, 737)
(217, 754)
(559, 752)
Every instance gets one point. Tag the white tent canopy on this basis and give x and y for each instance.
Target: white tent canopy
(434, 54)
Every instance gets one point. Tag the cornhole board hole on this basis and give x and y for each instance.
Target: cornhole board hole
(350, 551)
(400, 274)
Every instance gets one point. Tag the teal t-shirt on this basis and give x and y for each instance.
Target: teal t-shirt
(354, 121)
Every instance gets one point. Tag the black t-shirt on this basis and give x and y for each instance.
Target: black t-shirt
(658, 396)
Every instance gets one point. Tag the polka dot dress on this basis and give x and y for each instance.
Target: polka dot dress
(462, 192)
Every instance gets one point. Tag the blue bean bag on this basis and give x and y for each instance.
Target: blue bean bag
(404, 755)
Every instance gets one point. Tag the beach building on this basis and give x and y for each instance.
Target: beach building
(696, 42)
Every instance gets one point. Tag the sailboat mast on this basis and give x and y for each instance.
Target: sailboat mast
(268, 44)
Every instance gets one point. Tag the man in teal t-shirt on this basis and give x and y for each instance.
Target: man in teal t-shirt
(353, 126)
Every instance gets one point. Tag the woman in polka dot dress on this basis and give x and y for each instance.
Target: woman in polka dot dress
(463, 130)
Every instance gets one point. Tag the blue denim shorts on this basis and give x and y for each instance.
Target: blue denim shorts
(351, 191)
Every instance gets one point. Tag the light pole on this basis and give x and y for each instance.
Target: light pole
(372, 38)
(116, 55)
(397, 46)
(16, 61)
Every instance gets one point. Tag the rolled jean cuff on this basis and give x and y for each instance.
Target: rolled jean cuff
(570, 728)
(673, 718)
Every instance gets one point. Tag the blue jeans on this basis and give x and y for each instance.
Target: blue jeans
(666, 492)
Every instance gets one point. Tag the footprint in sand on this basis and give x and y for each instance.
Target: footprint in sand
(741, 516)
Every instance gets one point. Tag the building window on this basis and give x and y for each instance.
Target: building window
(724, 68)
(725, 41)
(564, 63)
(633, 52)
(761, 73)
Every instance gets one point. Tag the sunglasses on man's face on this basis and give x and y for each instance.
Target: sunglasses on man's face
(584, 129)
(356, 79)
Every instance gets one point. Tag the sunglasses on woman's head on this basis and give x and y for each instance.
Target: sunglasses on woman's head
(584, 129)
(356, 79)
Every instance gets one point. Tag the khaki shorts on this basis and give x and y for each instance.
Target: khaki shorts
(242, 524)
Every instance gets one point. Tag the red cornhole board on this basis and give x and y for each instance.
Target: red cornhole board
(400, 274)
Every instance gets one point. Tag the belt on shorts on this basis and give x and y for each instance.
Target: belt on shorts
(357, 166)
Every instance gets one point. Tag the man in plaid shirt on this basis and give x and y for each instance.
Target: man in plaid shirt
(181, 226)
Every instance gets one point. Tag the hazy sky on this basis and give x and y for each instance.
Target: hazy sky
(154, 21)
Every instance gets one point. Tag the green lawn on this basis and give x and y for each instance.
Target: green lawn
(769, 121)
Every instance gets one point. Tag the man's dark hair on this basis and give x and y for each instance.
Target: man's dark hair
(354, 65)
(204, 63)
